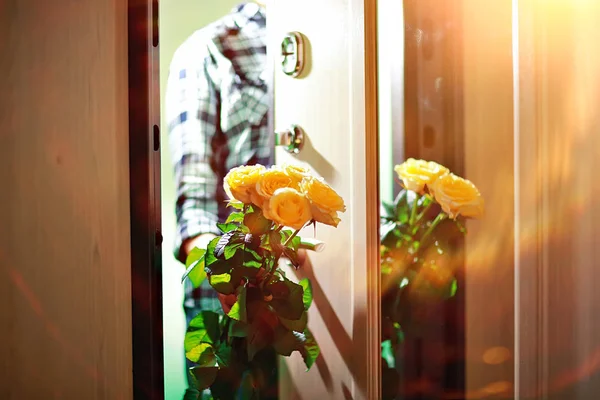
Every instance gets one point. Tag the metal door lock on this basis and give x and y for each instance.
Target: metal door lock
(292, 54)
(292, 139)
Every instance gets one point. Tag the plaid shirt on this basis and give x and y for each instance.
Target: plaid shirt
(217, 112)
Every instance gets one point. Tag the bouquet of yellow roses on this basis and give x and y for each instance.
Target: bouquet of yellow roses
(263, 310)
(420, 232)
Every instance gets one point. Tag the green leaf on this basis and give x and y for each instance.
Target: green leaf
(194, 256)
(203, 377)
(399, 337)
(224, 240)
(387, 231)
(403, 208)
(453, 287)
(295, 242)
(257, 340)
(387, 352)
(251, 259)
(256, 222)
(238, 329)
(237, 217)
(223, 355)
(238, 205)
(261, 331)
(195, 267)
(246, 388)
(222, 283)
(231, 250)
(289, 342)
(310, 350)
(202, 354)
(227, 227)
(203, 328)
(238, 311)
(389, 210)
(298, 325)
(242, 272)
(307, 295)
(214, 265)
(288, 299)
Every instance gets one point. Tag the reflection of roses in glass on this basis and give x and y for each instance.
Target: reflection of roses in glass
(457, 196)
(420, 233)
(416, 174)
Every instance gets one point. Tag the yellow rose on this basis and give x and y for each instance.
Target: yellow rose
(415, 174)
(325, 202)
(271, 180)
(288, 207)
(296, 172)
(240, 182)
(457, 196)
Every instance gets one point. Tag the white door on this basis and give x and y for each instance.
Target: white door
(334, 101)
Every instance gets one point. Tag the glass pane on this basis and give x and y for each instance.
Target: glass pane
(557, 138)
(503, 94)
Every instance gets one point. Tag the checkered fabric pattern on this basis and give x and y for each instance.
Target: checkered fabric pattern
(217, 113)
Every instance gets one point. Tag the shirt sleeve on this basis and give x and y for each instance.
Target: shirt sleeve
(191, 112)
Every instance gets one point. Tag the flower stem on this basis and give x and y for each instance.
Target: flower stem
(440, 217)
(311, 244)
(413, 213)
(291, 237)
(422, 214)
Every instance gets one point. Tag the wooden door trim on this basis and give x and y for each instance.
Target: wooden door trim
(145, 204)
(368, 41)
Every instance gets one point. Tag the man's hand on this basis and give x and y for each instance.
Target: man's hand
(302, 255)
(199, 241)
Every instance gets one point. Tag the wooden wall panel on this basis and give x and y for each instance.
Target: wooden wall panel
(558, 154)
(489, 163)
(65, 302)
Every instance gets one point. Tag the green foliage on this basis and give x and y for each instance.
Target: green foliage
(203, 377)
(204, 328)
(246, 389)
(297, 325)
(288, 299)
(238, 310)
(266, 310)
(387, 353)
(195, 267)
(288, 342)
(310, 350)
(417, 247)
(307, 296)
(222, 283)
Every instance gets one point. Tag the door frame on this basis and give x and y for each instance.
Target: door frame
(145, 202)
(145, 189)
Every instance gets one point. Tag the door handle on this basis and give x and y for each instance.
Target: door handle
(291, 139)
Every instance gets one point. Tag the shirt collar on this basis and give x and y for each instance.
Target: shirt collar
(247, 12)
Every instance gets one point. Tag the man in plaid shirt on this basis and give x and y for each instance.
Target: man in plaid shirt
(217, 110)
